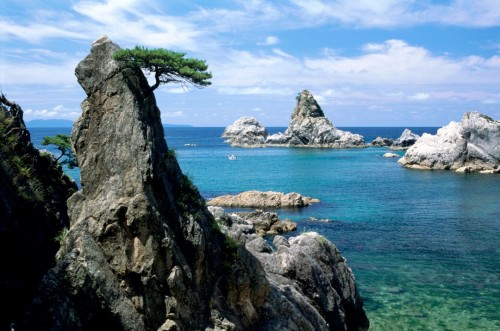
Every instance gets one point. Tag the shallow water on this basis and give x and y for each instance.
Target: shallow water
(423, 245)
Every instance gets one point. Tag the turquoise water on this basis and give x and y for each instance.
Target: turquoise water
(423, 245)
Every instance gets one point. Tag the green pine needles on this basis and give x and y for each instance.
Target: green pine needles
(168, 66)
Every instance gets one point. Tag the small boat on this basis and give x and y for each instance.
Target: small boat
(231, 157)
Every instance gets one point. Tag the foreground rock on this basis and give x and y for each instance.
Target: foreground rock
(470, 145)
(33, 212)
(308, 128)
(144, 253)
(246, 132)
(257, 221)
(311, 286)
(259, 199)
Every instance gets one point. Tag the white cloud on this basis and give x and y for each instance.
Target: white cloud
(281, 53)
(57, 112)
(177, 90)
(396, 62)
(174, 114)
(270, 40)
(391, 13)
(257, 90)
(419, 96)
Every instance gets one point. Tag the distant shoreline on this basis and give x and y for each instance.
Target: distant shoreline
(60, 123)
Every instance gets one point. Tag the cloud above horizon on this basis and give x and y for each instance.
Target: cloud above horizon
(239, 40)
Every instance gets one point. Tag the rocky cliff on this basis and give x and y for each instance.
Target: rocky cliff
(33, 212)
(470, 145)
(144, 253)
(308, 128)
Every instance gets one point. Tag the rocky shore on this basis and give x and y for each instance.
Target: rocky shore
(471, 145)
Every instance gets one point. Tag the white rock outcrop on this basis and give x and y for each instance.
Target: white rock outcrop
(308, 128)
(470, 145)
(246, 132)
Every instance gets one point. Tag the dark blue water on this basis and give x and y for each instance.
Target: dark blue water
(423, 245)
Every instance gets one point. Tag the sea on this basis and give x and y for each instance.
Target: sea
(424, 246)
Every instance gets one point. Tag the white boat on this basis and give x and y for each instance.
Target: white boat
(231, 157)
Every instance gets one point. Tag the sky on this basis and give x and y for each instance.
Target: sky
(367, 62)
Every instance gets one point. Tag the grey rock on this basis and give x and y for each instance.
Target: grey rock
(308, 127)
(33, 212)
(311, 285)
(259, 199)
(246, 132)
(406, 139)
(473, 144)
(144, 253)
(382, 142)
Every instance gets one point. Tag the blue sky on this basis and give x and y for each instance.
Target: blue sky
(367, 62)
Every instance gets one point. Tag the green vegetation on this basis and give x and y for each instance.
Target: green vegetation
(229, 254)
(168, 66)
(63, 144)
(61, 235)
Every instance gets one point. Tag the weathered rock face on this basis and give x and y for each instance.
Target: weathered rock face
(471, 145)
(33, 193)
(258, 199)
(382, 142)
(311, 286)
(308, 128)
(246, 132)
(144, 253)
(257, 221)
(299, 266)
(406, 140)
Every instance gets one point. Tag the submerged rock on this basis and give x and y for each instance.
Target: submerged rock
(470, 145)
(144, 253)
(259, 199)
(246, 132)
(33, 212)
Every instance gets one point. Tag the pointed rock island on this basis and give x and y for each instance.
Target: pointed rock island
(144, 253)
(308, 127)
(473, 144)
